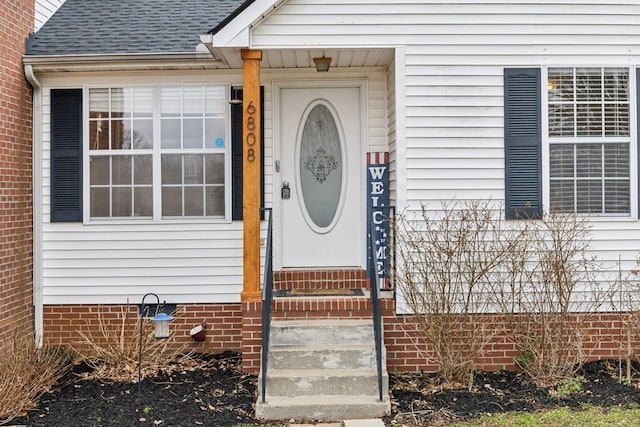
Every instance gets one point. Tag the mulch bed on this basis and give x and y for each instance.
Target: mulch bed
(220, 395)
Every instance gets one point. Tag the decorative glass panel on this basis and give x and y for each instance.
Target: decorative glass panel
(321, 166)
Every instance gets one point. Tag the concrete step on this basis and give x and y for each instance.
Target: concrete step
(322, 408)
(324, 382)
(325, 331)
(358, 356)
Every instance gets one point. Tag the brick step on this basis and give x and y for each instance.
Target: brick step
(320, 279)
(289, 308)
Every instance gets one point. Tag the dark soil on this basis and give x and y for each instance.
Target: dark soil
(220, 395)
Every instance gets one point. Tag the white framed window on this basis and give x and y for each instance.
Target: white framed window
(589, 140)
(157, 152)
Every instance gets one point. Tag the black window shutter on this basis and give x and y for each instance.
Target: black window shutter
(66, 155)
(522, 142)
(237, 155)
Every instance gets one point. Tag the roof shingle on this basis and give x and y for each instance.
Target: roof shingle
(93, 27)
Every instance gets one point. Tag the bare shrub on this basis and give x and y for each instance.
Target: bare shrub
(464, 264)
(449, 277)
(26, 373)
(552, 298)
(113, 348)
(626, 301)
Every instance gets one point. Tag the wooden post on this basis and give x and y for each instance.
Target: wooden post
(251, 173)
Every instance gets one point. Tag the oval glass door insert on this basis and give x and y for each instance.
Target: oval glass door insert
(321, 166)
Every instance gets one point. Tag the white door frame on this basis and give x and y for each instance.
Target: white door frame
(362, 85)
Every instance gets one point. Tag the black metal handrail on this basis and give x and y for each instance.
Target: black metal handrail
(267, 299)
(374, 278)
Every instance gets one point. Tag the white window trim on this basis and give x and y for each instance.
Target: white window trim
(633, 148)
(157, 155)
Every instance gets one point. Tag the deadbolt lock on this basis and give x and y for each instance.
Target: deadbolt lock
(286, 191)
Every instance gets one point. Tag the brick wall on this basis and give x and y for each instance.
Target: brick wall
(16, 319)
(605, 337)
(62, 324)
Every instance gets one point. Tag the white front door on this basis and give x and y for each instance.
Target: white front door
(322, 216)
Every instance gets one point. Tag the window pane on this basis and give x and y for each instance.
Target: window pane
(142, 102)
(98, 103)
(215, 100)
(192, 133)
(120, 134)
(215, 201)
(616, 85)
(193, 201)
(121, 170)
(616, 119)
(171, 169)
(214, 133)
(589, 120)
(98, 134)
(171, 133)
(99, 170)
(142, 134)
(562, 196)
(192, 101)
(560, 85)
(616, 160)
(589, 196)
(214, 168)
(617, 196)
(561, 121)
(589, 160)
(143, 170)
(588, 85)
(143, 201)
(170, 102)
(120, 105)
(121, 204)
(171, 201)
(99, 203)
(193, 173)
(561, 160)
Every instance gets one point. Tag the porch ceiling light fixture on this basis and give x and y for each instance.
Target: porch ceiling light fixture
(322, 64)
(235, 97)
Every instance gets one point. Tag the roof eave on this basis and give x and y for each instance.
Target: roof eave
(123, 61)
(234, 30)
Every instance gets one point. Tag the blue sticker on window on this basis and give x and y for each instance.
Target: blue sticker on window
(219, 142)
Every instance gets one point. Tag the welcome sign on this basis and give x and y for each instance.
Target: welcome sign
(378, 213)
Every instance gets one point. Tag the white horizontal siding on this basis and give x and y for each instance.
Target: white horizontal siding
(182, 262)
(44, 10)
(114, 263)
(455, 55)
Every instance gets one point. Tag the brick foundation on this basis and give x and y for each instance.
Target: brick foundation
(16, 285)
(237, 327)
(62, 324)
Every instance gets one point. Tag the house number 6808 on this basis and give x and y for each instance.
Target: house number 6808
(251, 127)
